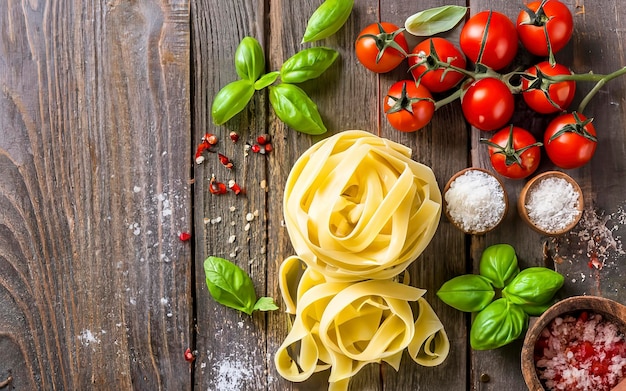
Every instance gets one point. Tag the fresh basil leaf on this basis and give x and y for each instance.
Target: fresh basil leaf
(249, 59)
(307, 64)
(434, 20)
(327, 19)
(536, 309)
(266, 80)
(468, 293)
(534, 286)
(265, 304)
(498, 264)
(229, 284)
(500, 323)
(294, 107)
(231, 99)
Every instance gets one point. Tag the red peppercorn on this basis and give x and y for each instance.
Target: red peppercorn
(255, 148)
(225, 161)
(210, 138)
(184, 236)
(234, 136)
(268, 147)
(189, 355)
(232, 185)
(263, 139)
(216, 187)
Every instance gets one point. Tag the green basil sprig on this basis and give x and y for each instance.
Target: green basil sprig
(467, 293)
(498, 263)
(500, 323)
(307, 64)
(231, 286)
(249, 59)
(523, 293)
(327, 19)
(294, 107)
(434, 20)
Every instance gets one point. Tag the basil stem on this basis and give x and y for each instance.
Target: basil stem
(434, 20)
(500, 323)
(468, 293)
(229, 285)
(294, 107)
(249, 59)
(231, 99)
(498, 264)
(534, 286)
(327, 19)
(307, 64)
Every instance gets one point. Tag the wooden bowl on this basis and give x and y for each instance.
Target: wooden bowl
(455, 223)
(609, 309)
(528, 188)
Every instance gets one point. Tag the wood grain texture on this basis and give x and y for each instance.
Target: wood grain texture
(94, 151)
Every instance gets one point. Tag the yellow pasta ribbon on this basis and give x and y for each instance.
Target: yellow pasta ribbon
(357, 207)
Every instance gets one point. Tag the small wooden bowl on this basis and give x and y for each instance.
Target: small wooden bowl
(455, 223)
(609, 309)
(523, 212)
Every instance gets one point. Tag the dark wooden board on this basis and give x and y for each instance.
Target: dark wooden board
(94, 168)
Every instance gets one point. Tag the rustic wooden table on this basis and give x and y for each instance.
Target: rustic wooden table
(102, 105)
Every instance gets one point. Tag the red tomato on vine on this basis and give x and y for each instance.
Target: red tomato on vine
(514, 152)
(408, 107)
(487, 103)
(430, 75)
(543, 22)
(543, 96)
(570, 140)
(489, 38)
(381, 47)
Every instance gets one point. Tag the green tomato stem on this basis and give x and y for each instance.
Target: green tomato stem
(448, 99)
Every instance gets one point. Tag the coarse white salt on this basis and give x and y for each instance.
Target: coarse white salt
(475, 201)
(552, 204)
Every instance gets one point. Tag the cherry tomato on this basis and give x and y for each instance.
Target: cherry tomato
(377, 47)
(435, 78)
(500, 44)
(409, 107)
(570, 140)
(533, 23)
(558, 95)
(487, 103)
(514, 152)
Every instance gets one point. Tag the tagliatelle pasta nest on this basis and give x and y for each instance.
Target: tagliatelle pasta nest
(357, 206)
(347, 325)
(358, 211)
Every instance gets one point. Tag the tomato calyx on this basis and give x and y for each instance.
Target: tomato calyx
(537, 18)
(385, 40)
(433, 62)
(511, 155)
(540, 82)
(578, 127)
(404, 102)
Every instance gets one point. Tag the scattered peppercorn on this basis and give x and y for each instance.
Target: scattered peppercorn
(225, 161)
(216, 187)
(234, 136)
(255, 148)
(184, 236)
(268, 147)
(263, 139)
(232, 185)
(189, 355)
(210, 138)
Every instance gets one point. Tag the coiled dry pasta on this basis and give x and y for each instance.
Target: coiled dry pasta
(357, 207)
(358, 211)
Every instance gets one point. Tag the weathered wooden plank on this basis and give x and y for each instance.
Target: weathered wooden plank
(94, 147)
(442, 145)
